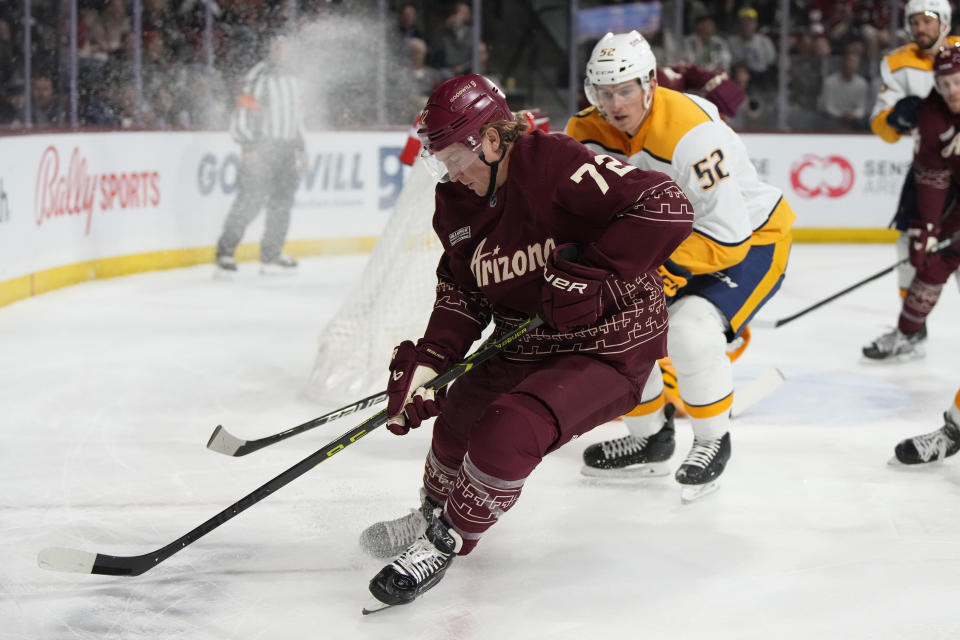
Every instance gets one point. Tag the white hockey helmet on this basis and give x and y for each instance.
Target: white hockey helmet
(939, 9)
(618, 58)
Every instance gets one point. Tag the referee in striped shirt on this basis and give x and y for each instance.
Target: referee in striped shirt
(267, 122)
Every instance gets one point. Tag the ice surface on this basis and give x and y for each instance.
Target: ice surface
(109, 391)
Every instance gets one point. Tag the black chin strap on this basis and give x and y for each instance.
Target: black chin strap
(494, 166)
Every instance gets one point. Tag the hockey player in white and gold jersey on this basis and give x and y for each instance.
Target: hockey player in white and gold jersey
(907, 78)
(718, 278)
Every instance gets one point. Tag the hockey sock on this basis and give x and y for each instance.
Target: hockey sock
(920, 300)
(438, 478)
(477, 501)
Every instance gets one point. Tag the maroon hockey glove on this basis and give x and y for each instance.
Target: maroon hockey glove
(923, 238)
(674, 277)
(725, 93)
(408, 402)
(572, 292)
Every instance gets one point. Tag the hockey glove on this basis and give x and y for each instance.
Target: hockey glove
(571, 295)
(725, 93)
(923, 240)
(408, 402)
(674, 277)
(903, 116)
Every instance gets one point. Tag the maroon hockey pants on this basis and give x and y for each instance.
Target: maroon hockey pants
(499, 422)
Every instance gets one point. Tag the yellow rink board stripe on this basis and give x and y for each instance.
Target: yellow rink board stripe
(57, 277)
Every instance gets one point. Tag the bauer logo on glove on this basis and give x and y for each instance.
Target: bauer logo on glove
(572, 293)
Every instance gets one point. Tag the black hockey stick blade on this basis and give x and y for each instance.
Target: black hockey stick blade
(943, 244)
(222, 441)
(77, 561)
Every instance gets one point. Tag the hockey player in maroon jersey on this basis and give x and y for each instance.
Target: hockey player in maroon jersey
(936, 166)
(512, 211)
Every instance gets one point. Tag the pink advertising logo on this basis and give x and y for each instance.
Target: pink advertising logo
(813, 176)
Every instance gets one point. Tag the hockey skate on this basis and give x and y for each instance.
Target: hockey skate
(700, 472)
(930, 447)
(417, 569)
(226, 267)
(897, 345)
(390, 538)
(632, 457)
(281, 265)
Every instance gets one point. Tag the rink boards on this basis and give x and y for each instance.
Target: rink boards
(79, 206)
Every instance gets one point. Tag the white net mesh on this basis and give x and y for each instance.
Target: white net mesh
(391, 302)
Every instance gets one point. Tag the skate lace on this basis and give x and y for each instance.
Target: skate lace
(405, 530)
(420, 560)
(623, 446)
(933, 445)
(702, 452)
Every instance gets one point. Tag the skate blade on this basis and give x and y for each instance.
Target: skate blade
(375, 606)
(649, 470)
(693, 492)
(223, 275)
(278, 272)
(916, 354)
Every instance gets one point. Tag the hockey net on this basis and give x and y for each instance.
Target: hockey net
(391, 302)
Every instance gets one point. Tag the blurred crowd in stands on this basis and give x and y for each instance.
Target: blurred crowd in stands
(834, 52)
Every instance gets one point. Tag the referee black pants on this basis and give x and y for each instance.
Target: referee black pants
(269, 180)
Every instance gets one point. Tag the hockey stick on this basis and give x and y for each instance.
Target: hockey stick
(222, 441)
(943, 244)
(74, 560)
(754, 391)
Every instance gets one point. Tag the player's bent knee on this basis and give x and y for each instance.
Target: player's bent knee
(512, 436)
(696, 335)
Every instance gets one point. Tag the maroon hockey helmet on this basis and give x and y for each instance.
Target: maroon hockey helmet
(947, 61)
(457, 109)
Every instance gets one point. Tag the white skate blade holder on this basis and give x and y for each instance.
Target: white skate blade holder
(693, 492)
(647, 470)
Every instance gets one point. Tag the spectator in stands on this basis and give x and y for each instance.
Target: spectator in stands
(752, 48)
(47, 109)
(705, 48)
(116, 24)
(757, 110)
(846, 94)
(416, 82)
(452, 48)
(6, 52)
(809, 65)
(8, 112)
(407, 22)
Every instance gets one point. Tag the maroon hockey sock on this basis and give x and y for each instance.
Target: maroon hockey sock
(920, 300)
(438, 478)
(476, 501)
